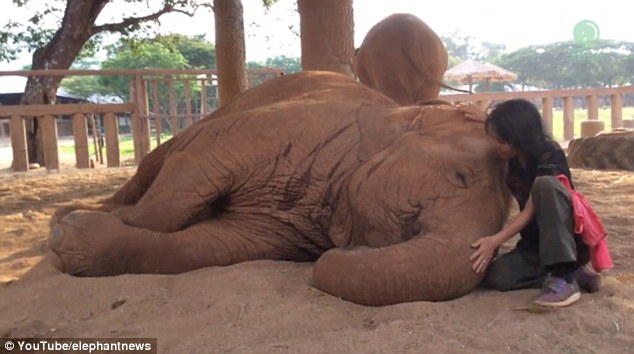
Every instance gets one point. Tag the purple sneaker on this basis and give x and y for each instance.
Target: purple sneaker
(558, 293)
(588, 280)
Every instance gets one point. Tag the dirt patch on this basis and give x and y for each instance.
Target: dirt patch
(265, 306)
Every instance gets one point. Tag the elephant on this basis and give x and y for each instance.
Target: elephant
(308, 167)
(403, 58)
(604, 151)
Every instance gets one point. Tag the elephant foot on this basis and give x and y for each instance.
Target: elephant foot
(94, 243)
(62, 211)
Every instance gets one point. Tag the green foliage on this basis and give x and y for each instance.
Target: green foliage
(84, 86)
(46, 18)
(200, 53)
(138, 55)
(173, 51)
(602, 63)
(288, 64)
(572, 65)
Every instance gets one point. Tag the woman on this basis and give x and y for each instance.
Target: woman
(548, 254)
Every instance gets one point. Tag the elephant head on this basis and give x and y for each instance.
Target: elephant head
(402, 58)
(427, 189)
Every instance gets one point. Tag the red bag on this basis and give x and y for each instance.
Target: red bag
(589, 226)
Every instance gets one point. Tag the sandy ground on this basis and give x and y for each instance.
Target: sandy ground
(268, 307)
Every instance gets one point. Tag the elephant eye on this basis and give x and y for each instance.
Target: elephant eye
(459, 177)
(462, 177)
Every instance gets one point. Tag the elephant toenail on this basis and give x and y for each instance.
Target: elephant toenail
(56, 237)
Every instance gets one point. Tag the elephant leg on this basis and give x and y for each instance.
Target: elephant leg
(130, 193)
(89, 243)
(186, 191)
(147, 171)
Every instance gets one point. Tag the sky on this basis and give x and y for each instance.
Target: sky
(515, 23)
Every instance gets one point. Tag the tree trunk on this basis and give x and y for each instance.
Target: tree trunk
(327, 34)
(230, 49)
(59, 53)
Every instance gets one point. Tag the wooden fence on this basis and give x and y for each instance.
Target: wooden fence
(546, 99)
(80, 114)
(153, 99)
(145, 87)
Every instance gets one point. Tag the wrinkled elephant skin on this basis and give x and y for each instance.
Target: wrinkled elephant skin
(402, 58)
(308, 167)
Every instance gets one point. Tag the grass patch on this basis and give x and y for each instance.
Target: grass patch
(126, 146)
(581, 115)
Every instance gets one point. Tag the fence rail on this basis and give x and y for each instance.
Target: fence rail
(547, 98)
(81, 113)
(153, 98)
(171, 100)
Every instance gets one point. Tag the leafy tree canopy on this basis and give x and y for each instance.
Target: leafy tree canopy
(555, 65)
(570, 64)
(140, 19)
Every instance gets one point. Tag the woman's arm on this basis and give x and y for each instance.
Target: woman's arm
(487, 246)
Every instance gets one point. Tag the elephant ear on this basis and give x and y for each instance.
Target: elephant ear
(379, 127)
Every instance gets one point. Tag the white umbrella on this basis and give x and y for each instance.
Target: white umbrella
(470, 71)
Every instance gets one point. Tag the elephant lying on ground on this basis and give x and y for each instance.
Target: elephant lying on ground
(308, 167)
(605, 151)
(402, 58)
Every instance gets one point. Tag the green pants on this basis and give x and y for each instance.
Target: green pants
(548, 240)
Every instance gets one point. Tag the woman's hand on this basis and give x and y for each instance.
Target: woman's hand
(486, 249)
(472, 112)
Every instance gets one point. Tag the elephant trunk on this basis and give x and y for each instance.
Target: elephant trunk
(430, 267)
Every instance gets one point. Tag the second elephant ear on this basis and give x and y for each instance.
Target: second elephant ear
(381, 126)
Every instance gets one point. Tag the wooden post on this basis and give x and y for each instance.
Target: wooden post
(173, 118)
(569, 118)
(156, 108)
(593, 107)
(139, 121)
(547, 114)
(112, 139)
(18, 144)
(188, 105)
(203, 98)
(591, 128)
(145, 114)
(49, 135)
(94, 138)
(616, 105)
(80, 133)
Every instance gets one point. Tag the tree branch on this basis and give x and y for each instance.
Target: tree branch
(131, 21)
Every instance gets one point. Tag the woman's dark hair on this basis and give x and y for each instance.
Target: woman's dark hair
(519, 123)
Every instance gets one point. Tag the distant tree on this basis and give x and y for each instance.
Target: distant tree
(488, 51)
(570, 64)
(288, 64)
(462, 47)
(458, 45)
(84, 86)
(163, 52)
(137, 55)
(200, 53)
